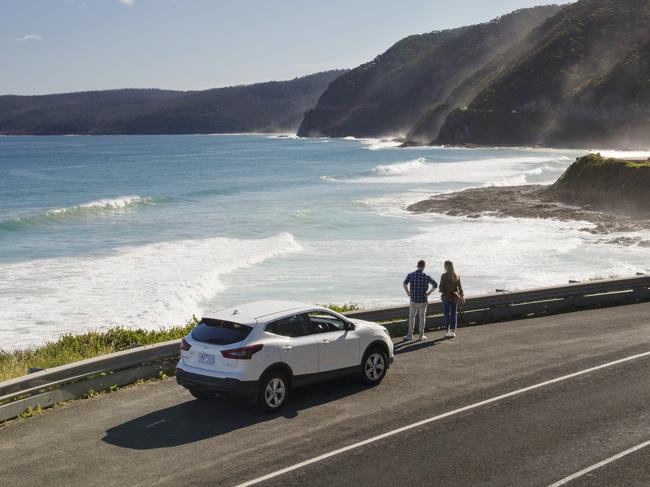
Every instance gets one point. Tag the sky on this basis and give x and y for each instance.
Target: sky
(55, 46)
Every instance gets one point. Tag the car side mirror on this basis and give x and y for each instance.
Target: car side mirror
(349, 326)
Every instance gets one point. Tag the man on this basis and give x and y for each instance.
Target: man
(416, 286)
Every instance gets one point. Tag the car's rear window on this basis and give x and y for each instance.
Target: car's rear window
(220, 332)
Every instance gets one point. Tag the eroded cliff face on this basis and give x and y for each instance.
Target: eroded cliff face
(606, 184)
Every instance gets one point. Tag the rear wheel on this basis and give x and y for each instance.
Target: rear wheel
(274, 391)
(374, 366)
(202, 395)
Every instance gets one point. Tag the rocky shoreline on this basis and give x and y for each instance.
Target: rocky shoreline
(533, 201)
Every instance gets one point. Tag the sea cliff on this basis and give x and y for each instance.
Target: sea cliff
(606, 184)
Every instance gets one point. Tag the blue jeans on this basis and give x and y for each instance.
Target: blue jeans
(451, 313)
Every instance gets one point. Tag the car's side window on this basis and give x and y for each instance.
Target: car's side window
(291, 326)
(326, 322)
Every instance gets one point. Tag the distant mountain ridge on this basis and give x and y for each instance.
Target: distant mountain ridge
(576, 75)
(262, 107)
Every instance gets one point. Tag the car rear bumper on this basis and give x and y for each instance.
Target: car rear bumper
(218, 385)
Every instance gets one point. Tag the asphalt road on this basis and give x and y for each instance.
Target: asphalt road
(157, 434)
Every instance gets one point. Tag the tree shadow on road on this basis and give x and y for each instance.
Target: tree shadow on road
(197, 420)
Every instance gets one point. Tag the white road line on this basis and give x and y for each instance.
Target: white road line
(353, 446)
(568, 479)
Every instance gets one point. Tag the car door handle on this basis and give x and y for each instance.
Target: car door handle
(286, 347)
(325, 341)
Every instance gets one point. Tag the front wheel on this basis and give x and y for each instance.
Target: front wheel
(274, 391)
(374, 366)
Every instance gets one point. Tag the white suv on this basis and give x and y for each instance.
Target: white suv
(262, 350)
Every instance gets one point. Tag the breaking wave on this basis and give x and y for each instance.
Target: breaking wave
(513, 181)
(400, 168)
(329, 179)
(96, 207)
(150, 286)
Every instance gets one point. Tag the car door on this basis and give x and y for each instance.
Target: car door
(298, 349)
(338, 347)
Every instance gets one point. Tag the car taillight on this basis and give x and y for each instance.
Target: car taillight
(184, 345)
(244, 353)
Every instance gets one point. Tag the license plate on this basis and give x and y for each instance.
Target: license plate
(206, 358)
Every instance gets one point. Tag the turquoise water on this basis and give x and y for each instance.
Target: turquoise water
(148, 230)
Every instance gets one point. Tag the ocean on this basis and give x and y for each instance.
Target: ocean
(149, 230)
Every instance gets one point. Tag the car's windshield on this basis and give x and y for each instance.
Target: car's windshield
(220, 332)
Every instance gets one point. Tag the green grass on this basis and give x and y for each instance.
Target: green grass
(596, 158)
(342, 308)
(72, 348)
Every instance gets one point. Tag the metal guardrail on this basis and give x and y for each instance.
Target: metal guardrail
(502, 306)
(48, 387)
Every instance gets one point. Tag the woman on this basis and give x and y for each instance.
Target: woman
(452, 295)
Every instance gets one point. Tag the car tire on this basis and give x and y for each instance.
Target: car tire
(374, 366)
(273, 391)
(202, 395)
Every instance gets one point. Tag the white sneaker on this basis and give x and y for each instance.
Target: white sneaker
(448, 334)
(408, 338)
(422, 337)
(453, 334)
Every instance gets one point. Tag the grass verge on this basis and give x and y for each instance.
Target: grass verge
(72, 348)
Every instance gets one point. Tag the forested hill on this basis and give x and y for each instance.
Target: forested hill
(415, 78)
(576, 75)
(271, 106)
(584, 83)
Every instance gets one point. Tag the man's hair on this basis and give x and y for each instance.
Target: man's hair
(421, 263)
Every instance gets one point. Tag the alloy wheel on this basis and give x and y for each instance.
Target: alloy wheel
(374, 367)
(275, 392)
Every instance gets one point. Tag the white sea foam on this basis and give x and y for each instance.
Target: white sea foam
(105, 204)
(283, 136)
(378, 144)
(401, 167)
(91, 208)
(621, 154)
(375, 144)
(330, 179)
(541, 170)
(489, 252)
(513, 181)
(476, 172)
(148, 286)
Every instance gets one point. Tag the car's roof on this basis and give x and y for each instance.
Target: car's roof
(260, 310)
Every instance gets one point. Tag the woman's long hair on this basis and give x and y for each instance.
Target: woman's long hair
(449, 270)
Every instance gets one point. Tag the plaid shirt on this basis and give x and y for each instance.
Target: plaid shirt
(419, 282)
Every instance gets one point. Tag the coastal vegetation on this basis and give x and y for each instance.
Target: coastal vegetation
(606, 184)
(276, 106)
(584, 82)
(571, 76)
(420, 75)
(72, 348)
